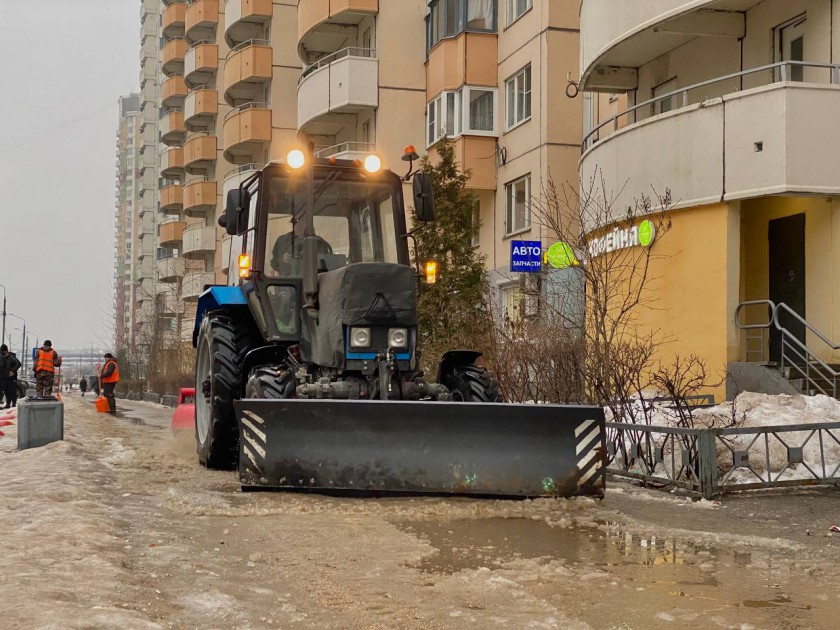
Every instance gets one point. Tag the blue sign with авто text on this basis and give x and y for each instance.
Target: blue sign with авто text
(526, 256)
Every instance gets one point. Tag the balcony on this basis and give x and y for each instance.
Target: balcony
(173, 20)
(347, 151)
(246, 19)
(237, 175)
(170, 306)
(775, 141)
(201, 63)
(172, 128)
(247, 131)
(200, 109)
(194, 283)
(199, 241)
(147, 159)
(199, 196)
(145, 249)
(173, 91)
(343, 83)
(199, 152)
(225, 253)
(313, 15)
(172, 162)
(171, 233)
(170, 269)
(247, 70)
(172, 199)
(172, 55)
(201, 19)
(622, 36)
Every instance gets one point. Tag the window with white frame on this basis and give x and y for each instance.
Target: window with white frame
(515, 8)
(469, 110)
(518, 196)
(518, 89)
(511, 298)
(664, 105)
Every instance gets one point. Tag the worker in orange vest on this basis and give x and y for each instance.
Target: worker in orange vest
(109, 378)
(46, 361)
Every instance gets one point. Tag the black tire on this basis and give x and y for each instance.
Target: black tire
(470, 383)
(271, 382)
(223, 343)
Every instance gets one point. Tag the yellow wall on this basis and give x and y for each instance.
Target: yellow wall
(822, 231)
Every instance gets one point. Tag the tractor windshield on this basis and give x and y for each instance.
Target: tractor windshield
(354, 221)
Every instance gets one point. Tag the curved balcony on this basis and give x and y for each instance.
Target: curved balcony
(172, 199)
(774, 140)
(199, 197)
(170, 305)
(622, 36)
(200, 108)
(237, 175)
(173, 91)
(146, 159)
(172, 128)
(347, 151)
(315, 14)
(247, 131)
(199, 152)
(227, 240)
(173, 20)
(172, 162)
(201, 63)
(247, 70)
(194, 283)
(172, 55)
(201, 19)
(246, 19)
(170, 269)
(345, 82)
(171, 233)
(199, 240)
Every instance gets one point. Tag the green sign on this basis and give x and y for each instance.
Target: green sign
(646, 233)
(561, 256)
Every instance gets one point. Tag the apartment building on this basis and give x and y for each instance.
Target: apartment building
(732, 105)
(126, 223)
(245, 81)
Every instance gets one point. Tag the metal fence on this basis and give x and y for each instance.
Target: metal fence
(714, 461)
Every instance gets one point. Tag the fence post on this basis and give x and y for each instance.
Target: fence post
(707, 453)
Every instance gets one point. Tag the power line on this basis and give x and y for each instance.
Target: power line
(61, 127)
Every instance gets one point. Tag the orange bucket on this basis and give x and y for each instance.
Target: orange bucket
(102, 405)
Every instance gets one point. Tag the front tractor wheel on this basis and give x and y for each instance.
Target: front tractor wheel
(222, 345)
(470, 383)
(271, 382)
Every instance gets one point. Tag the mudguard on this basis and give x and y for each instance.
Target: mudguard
(390, 447)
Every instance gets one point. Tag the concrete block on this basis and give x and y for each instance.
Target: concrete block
(40, 422)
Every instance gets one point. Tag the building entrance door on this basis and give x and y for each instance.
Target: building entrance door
(787, 276)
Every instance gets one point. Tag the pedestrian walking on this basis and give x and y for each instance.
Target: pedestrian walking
(83, 386)
(9, 366)
(46, 361)
(110, 376)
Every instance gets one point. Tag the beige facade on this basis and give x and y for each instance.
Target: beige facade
(730, 105)
(257, 78)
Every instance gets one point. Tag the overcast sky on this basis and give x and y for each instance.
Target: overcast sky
(63, 66)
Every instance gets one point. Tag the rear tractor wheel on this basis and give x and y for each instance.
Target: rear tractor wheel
(470, 383)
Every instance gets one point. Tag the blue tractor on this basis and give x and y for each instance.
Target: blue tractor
(307, 370)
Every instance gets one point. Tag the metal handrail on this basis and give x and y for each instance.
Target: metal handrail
(241, 108)
(197, 179)
(341, 147)
(172, 39)
(332, 57)
(762, 350)
(201, 42)
(246, 44)
(784, 66)
(241, 169)
(170, 110)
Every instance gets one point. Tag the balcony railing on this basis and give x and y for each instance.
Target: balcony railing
(346, 149)
(350, 51)
(780, 72)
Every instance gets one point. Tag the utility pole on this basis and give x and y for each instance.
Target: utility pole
(3, 335)
(23, 347)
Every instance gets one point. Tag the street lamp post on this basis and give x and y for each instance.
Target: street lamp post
(23, 341)
(3, 335)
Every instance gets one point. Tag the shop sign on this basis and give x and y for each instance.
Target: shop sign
(526, 256)
(561, 256)
(641, 235)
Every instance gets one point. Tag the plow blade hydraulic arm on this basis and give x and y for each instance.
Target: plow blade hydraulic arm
(383, 447)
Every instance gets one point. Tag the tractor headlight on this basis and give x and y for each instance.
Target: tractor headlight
(398, 338)
(360, 337)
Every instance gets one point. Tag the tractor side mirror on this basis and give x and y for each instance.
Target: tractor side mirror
(424, 197)
(236, 211)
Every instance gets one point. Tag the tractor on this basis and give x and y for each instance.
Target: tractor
(307, 364)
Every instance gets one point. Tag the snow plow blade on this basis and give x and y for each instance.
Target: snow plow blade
(386, 448)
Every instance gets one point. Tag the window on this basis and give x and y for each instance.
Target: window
(518, 195)
(790, 46)
(518, 97)
(666, 104)
(512, 302)
(515, 8)
(468, 110)
(447, 18)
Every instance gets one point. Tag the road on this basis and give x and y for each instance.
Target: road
(118, 527)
